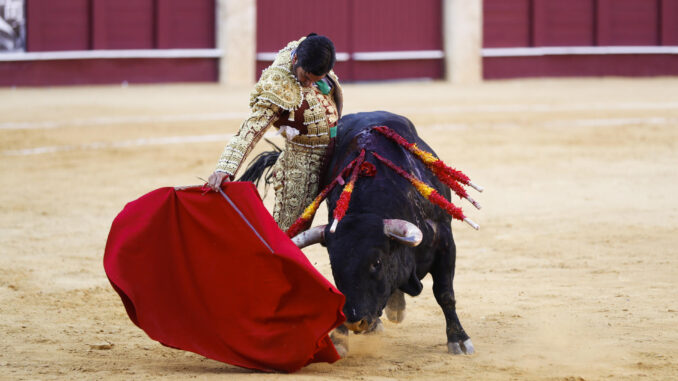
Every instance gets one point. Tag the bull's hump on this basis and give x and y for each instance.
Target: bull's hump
(352, 124)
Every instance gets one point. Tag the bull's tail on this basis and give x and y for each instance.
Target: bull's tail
(260, 167)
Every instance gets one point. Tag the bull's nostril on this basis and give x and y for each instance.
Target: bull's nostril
(363, 324)
(358, 326)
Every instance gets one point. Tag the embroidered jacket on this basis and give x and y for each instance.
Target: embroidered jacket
(304, 115)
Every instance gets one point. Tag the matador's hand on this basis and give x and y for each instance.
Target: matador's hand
(216, 179)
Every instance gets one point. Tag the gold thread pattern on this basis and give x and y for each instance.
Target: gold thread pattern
(297, 172)
(263, 113)
(296, 181)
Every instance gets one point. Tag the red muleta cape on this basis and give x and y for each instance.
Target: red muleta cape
(193, 275)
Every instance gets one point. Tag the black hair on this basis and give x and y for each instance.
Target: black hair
(316, 55)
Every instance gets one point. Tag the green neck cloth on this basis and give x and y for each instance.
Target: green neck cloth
(323, 87)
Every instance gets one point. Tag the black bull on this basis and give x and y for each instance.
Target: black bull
(371, 265)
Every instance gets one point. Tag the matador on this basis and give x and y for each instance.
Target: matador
(300, 95)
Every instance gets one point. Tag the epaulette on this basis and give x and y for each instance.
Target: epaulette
(277, 83)
(278, 86)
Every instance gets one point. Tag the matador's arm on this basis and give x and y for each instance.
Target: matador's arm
(263, 114)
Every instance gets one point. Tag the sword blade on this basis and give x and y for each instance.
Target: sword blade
(221, 191)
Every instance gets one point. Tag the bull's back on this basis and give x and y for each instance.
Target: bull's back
(353, 134)
(350, 126)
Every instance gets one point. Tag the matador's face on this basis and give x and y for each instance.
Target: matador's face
(305, 78)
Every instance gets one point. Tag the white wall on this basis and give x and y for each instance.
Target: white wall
(463, 38)
(236, 20)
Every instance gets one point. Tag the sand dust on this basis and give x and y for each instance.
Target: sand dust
(572, 276)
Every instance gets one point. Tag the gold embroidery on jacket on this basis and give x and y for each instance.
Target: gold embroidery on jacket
(262, 115)
(278, 86)
(297, 171)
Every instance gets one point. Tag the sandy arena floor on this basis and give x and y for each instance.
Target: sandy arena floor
(572, 276)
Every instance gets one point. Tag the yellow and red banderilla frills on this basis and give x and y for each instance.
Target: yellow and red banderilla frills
(449, 176)
(345, 197)
(354, 167)
(428, 192)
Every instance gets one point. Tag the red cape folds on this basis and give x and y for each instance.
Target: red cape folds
(193, 275)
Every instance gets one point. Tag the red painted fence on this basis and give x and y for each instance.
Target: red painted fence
(58, 25)
(84, 25)
(359, 29)
(375, 39)
(580, 23)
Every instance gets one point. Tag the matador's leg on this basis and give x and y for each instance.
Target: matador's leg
(297, 179)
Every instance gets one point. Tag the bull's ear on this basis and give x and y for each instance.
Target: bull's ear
(413, 286)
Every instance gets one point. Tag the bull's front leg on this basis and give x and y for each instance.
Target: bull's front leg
(458, 342)
(339, 338)
(395, 307)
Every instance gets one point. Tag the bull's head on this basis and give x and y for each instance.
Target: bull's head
(370, 259)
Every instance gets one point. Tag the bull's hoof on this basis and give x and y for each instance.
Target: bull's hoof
(395, 316)
(377, 327)
(395, 307)
(341, 350)
(340, 340)
(461, 347)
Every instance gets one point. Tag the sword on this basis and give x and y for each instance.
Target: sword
(221, 191)
(242, 216)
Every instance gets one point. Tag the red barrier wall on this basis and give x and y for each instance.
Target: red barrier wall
(580, 23)
(82, 25)
(358, 26)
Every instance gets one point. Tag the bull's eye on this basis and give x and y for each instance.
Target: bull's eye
(376, 266)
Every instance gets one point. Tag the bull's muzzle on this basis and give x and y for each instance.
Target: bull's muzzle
(359, 326)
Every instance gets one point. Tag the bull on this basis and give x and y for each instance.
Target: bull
(391, 237)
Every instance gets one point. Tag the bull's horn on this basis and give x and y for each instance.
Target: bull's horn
(310, 237)
(405, 232)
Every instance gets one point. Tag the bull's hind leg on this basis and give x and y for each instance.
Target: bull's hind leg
(395, 307)
(458, 342)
